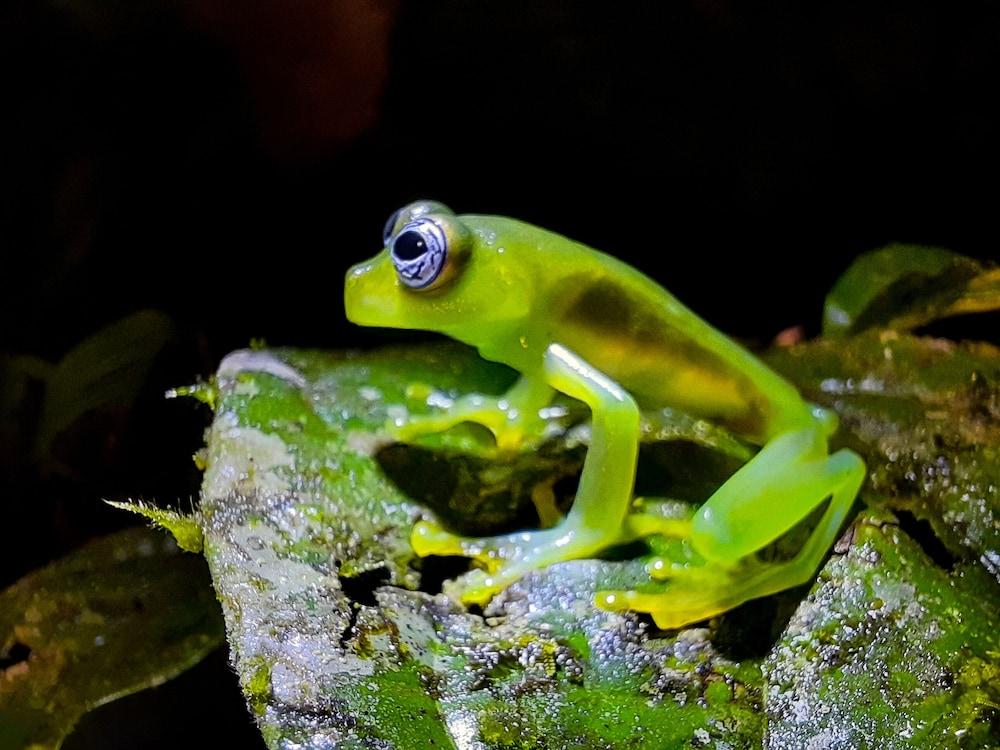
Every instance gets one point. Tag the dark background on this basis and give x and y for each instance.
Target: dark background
(225, 162)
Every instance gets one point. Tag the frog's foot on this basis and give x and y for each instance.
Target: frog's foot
(513, 418)
(505, 558)
(686, 602)
(695, 592)
(597, 518)
(698, 592)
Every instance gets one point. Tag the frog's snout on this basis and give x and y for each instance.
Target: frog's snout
(368, 297)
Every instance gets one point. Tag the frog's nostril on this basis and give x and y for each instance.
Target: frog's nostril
(359, 269)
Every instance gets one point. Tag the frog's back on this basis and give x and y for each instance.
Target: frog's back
(638, 333)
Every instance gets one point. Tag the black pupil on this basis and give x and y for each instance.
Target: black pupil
(409, 246)
(389, 226)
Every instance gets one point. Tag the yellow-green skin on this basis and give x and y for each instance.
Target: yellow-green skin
(572, 319)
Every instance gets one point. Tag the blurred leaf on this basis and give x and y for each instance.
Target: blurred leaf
(22, 379)
(120, 614)
(106, 370)
(925, 413)
(889, 651)
(907, 286)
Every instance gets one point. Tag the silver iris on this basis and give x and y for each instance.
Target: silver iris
(418, 253)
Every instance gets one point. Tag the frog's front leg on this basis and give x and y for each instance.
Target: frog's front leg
(777, 488)
(513, 418)
(596, 518)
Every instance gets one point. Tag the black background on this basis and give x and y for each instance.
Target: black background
(226, 162)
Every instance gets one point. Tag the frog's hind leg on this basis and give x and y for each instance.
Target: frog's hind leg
(782, 484)
(597, 517)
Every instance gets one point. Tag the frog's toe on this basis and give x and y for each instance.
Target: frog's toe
(413, 427)
(621, 601)
(475, 587)
(669, 609)
(694, 576)
(428, 538)
(663, 569)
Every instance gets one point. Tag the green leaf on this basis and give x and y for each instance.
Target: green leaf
(307, 538)
(307, 512)
(120, 614)
(907, 286)
(106, 370)
(925, 413)
(889, 651)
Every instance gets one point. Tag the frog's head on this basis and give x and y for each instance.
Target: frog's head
(437, 272)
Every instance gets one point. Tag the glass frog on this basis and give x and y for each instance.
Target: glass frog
(569, 318)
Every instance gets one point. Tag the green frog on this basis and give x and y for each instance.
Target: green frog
(572, 319)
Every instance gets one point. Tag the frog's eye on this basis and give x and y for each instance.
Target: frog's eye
(410, 213)
(419, 253)
(425, 250)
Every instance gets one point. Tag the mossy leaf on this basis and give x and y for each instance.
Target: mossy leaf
(120, 614)
(340, 639)
(307, 537)
(888, 651)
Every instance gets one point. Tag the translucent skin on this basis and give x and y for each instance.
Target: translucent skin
(578, 321)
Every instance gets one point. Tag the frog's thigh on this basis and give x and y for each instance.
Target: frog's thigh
(714, 589)
(769, 494)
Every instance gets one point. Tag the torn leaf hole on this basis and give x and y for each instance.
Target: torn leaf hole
(922, 533)
(360, 589)
(751, 630)
(17, 652)
(434, 571)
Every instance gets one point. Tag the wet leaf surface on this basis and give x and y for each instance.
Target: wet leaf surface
(307, 539)
(123, 613)
(306, 514)
(888, 651)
